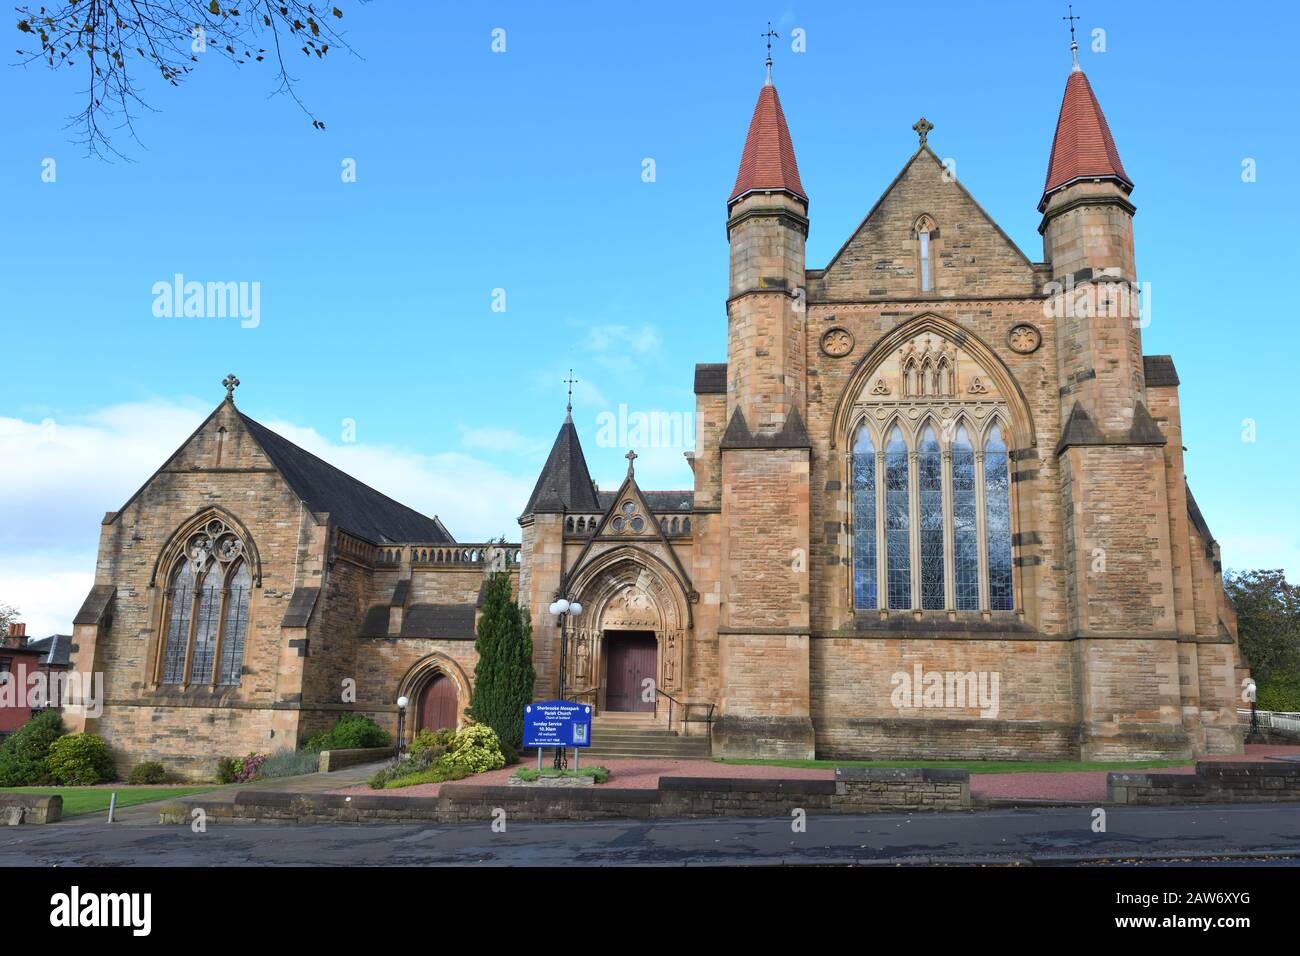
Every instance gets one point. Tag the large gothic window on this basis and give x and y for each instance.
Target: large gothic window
(864, 522)
(206, 609)
(948, 546)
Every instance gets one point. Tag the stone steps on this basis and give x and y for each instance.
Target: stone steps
(643, 739)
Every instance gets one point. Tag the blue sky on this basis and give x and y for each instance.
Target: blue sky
(522, 171)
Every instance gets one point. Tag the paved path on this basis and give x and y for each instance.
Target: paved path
(1040, 835)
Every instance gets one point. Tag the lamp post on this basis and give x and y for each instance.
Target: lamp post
(1253, 736)
(564, 609)
(401, 725)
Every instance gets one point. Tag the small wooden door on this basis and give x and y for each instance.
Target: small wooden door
(631, 658)
(438, 704)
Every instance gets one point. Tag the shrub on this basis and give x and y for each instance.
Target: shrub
(289, 763)
(477, 748)
(150, 771)
(227, 767)
(352, 731)
(248, 767)
(24, 753)
(439, 740)
(80, 760)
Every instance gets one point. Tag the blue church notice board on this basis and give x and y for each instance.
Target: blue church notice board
(557, 723)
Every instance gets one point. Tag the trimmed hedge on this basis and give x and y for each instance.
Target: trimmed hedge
(352, 732)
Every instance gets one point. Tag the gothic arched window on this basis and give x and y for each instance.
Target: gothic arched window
(864, 522)
(206, 609)
(948, 546)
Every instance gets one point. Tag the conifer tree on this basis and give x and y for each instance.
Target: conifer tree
(503, 676)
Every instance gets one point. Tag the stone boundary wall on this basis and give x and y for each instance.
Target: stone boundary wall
(1214, 782)
(332, 760)
(854, 790)
(18, 808)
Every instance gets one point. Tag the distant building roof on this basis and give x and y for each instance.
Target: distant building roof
(56, 649)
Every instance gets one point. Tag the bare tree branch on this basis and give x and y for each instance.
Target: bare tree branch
(170, 36)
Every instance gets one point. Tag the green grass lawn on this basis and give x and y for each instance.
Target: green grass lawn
(979, 766)
(78, 800)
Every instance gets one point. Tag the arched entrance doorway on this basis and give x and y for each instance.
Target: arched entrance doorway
(439, 704)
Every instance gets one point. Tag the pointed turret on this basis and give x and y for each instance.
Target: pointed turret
(767, 225)
(565, 483)
(768, 163)
(1083, 148)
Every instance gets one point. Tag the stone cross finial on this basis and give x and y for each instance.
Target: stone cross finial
(631, 457)
(231, 383)
(922, 127)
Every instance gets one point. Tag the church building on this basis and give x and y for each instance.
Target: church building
(938, 510)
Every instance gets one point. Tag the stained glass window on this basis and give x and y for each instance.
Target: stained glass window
(864, 522)
(929, 478)
(997, 510)
(235, 626)
(965, 529)
(181, 597)
(205, 626)
(897, 523)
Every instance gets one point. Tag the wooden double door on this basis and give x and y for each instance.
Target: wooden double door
(631, 658)
(439, 702)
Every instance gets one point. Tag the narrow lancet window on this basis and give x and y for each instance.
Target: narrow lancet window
(929, 477)
(965, 527)
(897, 522)
(864, 522)
(997, 507)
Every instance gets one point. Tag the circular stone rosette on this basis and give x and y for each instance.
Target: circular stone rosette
(1024, 338)
(837, 342)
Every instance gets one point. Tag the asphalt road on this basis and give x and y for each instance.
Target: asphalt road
(1040, 835)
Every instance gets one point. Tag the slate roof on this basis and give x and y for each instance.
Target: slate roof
(56, 650)
(1159, 370)
(768, 161)
(1082, 147)
(661, 502)
(565, 483)
(711, 378)
(451, 622)
(353, 506)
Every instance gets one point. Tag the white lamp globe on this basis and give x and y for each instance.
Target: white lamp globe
(575, 608)
(401, 703)
(561, 606)
(555, 607)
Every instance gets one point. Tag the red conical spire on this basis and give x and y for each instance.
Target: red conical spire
(1083, 147)
(768, 162)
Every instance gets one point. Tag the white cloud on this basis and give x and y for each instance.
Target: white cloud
(59, 480)
(499, 439)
